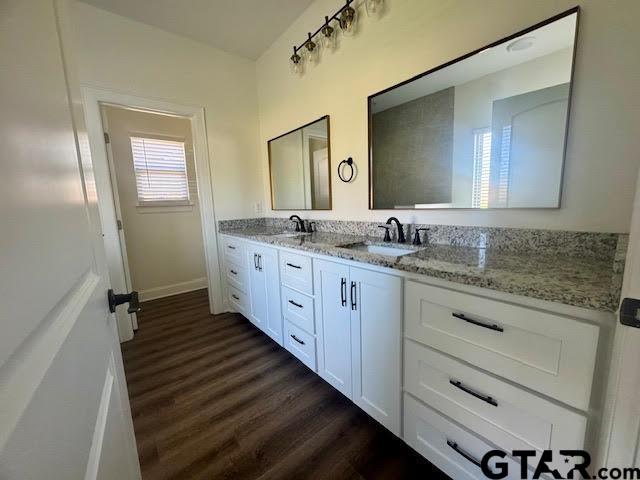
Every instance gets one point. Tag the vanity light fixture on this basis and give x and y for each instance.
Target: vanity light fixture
(373, 7)
(296, 61)
(327, 32)
(346, 19)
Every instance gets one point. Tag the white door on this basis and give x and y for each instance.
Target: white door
(114, 241)
(333, 315)
(620, 439)
(376, 336)
(271, 274)
(64, 412)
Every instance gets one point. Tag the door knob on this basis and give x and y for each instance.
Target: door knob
(116, 299)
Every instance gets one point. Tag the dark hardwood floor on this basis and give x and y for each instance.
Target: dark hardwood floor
(213, 397)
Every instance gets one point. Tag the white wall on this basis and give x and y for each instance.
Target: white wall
(473, 108)
(127, 56)
(416, 35)
(164, 244)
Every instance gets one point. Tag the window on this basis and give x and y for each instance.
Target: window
(481, 168)
(161, 171)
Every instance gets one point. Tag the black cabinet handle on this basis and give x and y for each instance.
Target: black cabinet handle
(234, 272)
(235, 296)
(294, 266)
(295, 304)
(255, 261)
(259, 262)
(494, 327)
(462, 453)
(297, 339)
(354, 301)
(464, 388)
(343, 292)
(231, 247)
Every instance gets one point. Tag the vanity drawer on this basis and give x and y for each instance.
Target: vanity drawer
(509, 417)
(298, 309)
(552, 354)
(452, 449)
(301, 344)
(237, 276)
(296, 272)
(234, 251)
(238, 300)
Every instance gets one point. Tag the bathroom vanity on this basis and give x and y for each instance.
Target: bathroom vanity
(457, 350)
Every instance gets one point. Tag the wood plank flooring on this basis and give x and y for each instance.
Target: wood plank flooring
(213, 397)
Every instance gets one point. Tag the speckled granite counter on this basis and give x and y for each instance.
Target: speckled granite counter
(583, 281)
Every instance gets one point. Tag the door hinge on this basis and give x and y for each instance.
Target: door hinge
(107, 139)
(119, 224)
(629, 310)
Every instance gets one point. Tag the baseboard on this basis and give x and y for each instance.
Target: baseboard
(176, 288)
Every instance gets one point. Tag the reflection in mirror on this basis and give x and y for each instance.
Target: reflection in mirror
(486, 131)
(300, 163)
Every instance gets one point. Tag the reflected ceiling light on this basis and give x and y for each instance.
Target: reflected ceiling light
(520, 44)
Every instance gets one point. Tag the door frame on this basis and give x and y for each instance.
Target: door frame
(620, 434)
(93, 97)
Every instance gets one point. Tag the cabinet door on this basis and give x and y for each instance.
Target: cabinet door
(257, 287)
(268, 266)
(376, 330)
(333, 324)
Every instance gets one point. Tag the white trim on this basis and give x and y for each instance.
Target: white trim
(92, 98)
(23, 373)
(174, 289)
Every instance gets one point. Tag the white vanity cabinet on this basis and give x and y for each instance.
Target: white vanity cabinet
(264, 287)
(359, 315)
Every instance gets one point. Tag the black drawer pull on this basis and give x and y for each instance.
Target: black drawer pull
(464, 388)
(494, 327)
(343, 292)
(294, 266)
(235, 296)
(234, 272)
(354, 302)
(464, 454)
(231, 247)
(297, 339)
(295, 304)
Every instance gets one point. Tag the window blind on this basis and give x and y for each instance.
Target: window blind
(481, 167)
(161, 170)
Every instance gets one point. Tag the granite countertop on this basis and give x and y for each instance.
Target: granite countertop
(579, 281)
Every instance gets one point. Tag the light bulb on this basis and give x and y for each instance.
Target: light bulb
(348, 19)
(374, 7)
(312, 50)
(328, 35)
(296, 61)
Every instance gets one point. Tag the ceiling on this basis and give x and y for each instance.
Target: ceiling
(242, 27)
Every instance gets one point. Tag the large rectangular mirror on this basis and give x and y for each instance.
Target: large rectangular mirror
(299, 165)
(487, 130)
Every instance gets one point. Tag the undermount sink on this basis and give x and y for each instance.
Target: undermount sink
(289, 235)
(380, 249)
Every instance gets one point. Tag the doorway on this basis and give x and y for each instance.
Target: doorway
(153, 175)
(151, 168)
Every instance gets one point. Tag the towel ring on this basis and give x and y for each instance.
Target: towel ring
(348, 163)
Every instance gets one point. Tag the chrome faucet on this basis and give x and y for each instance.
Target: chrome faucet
(401, 237)
(299, 223)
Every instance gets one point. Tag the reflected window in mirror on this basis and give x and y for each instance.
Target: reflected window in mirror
(485, 131)
(300, 167)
